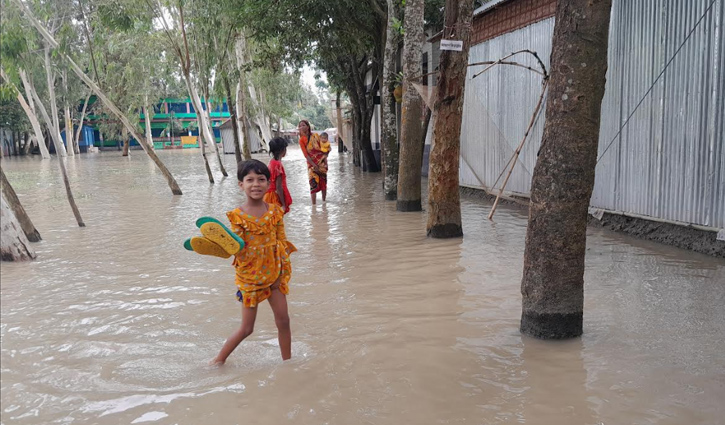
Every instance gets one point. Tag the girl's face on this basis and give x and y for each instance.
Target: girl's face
(283, 154)
(254, 185)
(303, 128)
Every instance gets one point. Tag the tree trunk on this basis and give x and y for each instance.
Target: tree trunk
(12, 199)
(149, 131)
(233, 118)
(387, 101)
(71, 147)
(356, 119)
(37, 128)
(30, 112)
(412, 131)
(28, 143)
(340, 143)
(54, 125)
(80, 122)
(444, 201)
(199, 122)
(126, 141)
(110, 105)
(366, 144)
(242, 95)
(563, 180)
(210, 130)
(58, 143)
(14, 245)
(147, 120)
(365, 106)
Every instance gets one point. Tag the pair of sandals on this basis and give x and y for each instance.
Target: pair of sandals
(216, 240)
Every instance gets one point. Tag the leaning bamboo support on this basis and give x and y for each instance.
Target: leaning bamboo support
(518, 149)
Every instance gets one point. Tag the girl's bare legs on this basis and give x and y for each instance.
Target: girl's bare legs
(324, 195)
(249, 315)
(278, 302)
(313, 196)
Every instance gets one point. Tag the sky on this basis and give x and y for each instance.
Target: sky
(308, 76)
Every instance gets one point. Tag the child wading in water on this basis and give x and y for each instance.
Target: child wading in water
(263, 267)
(278, 193)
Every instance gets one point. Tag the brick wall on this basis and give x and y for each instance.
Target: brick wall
(510, 16)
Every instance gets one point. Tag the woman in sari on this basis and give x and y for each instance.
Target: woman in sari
(315, 151)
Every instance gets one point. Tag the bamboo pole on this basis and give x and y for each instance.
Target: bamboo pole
(518, 149)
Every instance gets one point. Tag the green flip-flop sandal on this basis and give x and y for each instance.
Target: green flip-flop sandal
(204, 246)
(215, 231)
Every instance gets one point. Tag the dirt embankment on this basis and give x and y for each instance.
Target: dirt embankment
(685, 237)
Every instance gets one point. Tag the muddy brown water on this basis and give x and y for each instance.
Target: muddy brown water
(115, 323)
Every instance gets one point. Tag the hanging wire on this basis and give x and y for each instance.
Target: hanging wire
(692, 31)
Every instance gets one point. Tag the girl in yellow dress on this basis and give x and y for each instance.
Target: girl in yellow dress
(263, 267)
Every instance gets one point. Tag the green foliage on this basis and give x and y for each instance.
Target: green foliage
(12, 115)
(311, 108)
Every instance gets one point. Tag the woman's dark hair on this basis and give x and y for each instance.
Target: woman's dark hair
(251, 166)
(277, 146)
(309, 127)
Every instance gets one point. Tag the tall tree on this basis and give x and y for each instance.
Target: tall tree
(387, 101)
(444, 201)
(242, 57)
(412, 131)
(107, 102)
(563, 180)
(344, 38)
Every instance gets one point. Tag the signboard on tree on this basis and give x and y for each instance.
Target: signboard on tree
(454, 45)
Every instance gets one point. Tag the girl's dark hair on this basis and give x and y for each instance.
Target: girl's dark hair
(277, 146)
(251, 166)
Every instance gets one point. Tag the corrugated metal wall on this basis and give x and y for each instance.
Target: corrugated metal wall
(669, 161)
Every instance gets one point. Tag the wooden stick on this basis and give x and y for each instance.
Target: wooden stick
(507, 63)
(542, 73)
(534, 54)
(518, 149)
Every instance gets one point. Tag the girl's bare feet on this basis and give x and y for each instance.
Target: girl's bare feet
(216, 362)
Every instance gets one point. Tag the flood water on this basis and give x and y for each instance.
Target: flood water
(115, 323)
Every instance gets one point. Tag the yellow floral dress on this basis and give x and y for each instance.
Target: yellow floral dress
(265, 256)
